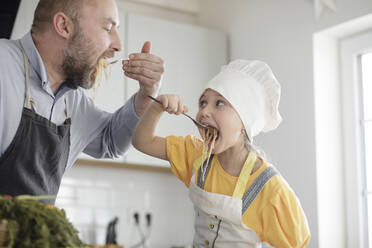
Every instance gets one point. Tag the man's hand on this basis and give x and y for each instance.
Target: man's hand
(147, 69)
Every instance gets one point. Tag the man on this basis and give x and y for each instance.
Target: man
(45, 118)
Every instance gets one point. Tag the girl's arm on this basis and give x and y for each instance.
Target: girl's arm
(144, 138)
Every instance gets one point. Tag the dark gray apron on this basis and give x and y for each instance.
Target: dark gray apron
(36, 159)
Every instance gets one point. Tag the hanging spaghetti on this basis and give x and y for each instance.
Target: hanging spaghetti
(102, 66)
(209, 138)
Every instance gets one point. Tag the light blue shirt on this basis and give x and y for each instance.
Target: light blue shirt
(96, 132)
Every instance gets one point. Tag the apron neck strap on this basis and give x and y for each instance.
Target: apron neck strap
(68, 115)
(29, 101)
(245, 173)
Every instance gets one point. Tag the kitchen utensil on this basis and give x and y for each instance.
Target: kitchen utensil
(198, 124)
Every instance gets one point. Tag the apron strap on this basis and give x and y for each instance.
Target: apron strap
(257, 186)
(245, 173)
(206, 168)
(68, 115)
(29, 101)
(243, 176)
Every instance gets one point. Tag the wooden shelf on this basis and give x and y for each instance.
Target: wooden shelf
(121, 165)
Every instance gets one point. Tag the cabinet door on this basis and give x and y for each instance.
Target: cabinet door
(110, 94)
(192, 56)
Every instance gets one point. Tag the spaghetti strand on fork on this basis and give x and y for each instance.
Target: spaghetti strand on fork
(209, 139)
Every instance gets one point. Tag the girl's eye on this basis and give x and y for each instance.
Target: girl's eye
(202, 104)
(220, 103)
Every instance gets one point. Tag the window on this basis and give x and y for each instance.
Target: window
(356, 78)
(343, 129)
(366, 121)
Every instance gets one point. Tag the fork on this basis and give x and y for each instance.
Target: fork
(198, 124)
(113, 62)
(117, 60)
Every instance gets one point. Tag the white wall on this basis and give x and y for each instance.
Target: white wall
(92, 196)
(281, 33)
(23, 22)
(157, 9)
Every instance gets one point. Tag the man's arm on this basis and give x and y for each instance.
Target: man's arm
(109, 135)
(12, 94)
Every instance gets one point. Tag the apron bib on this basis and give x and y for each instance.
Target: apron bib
(36, 159)
(218, 218)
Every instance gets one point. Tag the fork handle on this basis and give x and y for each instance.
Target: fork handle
(156, 100)
(195, 122)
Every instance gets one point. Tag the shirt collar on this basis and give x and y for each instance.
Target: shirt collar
(37, 64)
(34, 57)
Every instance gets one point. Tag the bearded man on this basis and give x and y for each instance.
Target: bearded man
(46, 120)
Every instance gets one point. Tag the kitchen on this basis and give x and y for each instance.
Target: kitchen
(299, 39)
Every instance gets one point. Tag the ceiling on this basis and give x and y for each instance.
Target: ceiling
(8, 12)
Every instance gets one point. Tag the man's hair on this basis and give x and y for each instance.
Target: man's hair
(46, 9)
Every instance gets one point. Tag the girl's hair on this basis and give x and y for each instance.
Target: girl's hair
(250, 146)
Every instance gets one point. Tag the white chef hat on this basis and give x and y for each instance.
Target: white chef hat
(254, 92)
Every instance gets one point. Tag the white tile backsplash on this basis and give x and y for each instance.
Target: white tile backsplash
(92, 196)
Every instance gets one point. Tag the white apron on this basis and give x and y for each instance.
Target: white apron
(218, 218)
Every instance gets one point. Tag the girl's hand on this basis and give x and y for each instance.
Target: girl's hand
(173, 104)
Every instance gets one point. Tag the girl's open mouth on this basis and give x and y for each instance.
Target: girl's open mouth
(211, 135)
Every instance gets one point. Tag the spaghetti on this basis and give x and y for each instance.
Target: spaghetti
(102, 66)
(209, 138)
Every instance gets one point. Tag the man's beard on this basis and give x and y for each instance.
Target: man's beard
(76, 62)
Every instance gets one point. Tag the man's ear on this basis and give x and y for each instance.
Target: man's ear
(63, 25)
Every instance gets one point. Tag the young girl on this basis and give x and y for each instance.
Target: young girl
(240, 200)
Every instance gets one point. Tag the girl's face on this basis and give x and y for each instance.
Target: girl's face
(216, 111)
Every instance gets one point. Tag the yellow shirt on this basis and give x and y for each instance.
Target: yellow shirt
(275, 215)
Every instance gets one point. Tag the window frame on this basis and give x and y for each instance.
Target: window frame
(351, 50)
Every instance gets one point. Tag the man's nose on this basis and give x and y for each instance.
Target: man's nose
(116, 42)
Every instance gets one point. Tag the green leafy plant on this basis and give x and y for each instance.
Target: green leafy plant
(33, 224)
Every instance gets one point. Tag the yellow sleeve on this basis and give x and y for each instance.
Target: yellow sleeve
(181, 153)
(284, 222)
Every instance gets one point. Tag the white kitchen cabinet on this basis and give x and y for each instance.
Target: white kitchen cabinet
(110, 94)
(192, 56)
